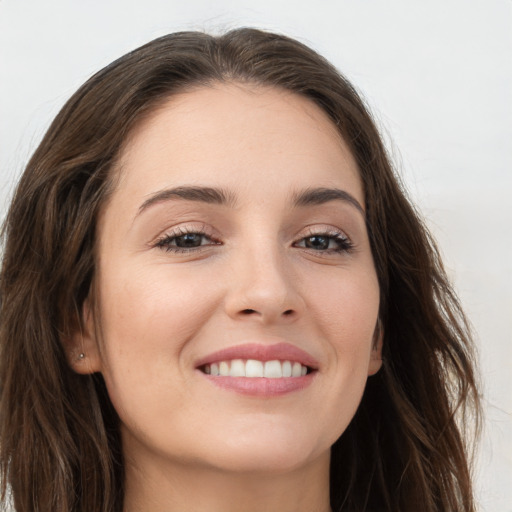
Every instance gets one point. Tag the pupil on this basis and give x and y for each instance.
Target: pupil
(189, 240)
(317, 242)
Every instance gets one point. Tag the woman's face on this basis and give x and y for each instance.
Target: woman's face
(235, 241)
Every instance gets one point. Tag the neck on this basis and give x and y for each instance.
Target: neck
(181, 487)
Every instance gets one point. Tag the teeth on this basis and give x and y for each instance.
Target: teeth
(273, 370)
(254, 368)
(224, 368)
(296, 370)
(237, 368)
(287, 369)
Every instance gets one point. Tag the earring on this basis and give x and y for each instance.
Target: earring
(81, 356)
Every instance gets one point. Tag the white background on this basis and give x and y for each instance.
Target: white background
(438, 75)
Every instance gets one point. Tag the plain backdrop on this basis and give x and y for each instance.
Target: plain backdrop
(438, 77)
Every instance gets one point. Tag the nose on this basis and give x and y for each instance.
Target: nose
(263, 288)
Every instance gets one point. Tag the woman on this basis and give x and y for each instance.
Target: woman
(215, 296)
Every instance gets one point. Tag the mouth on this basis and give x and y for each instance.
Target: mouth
(260, 370)
(254, 368)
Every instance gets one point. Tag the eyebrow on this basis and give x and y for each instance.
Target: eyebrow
(218, 196)
(208, 195)
(317, 196)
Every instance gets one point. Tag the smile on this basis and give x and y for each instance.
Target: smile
(252, 368)
(259, 370)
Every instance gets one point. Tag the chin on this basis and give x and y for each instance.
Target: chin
(267, 454)
(266, 463)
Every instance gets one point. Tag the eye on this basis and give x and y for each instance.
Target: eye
(189, 240)
(326, 242)
(184, 241)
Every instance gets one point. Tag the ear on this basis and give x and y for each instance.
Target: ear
(376, 355)
(82, 348)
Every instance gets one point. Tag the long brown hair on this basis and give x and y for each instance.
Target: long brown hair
(405, 449)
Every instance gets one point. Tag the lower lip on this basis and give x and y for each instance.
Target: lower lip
(261, 386)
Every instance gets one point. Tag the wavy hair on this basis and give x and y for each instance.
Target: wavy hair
(60, 449)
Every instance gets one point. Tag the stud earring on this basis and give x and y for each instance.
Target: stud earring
(81, 356)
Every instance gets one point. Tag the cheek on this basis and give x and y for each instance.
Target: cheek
(151, 307)
(347, 309)
(147, 318)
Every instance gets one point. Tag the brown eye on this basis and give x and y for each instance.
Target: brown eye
(189, 240)
(326, 243)
(185, 242)
(317, 242)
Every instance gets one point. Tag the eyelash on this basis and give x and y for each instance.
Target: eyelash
(165, 242)
(344, 245)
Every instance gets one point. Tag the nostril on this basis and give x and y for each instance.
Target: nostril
(288, 312)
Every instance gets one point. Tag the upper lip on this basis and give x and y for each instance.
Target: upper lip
(260, 352)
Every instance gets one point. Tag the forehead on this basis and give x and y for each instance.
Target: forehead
(236, 135)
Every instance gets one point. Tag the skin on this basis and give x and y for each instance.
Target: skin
(189, 445)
